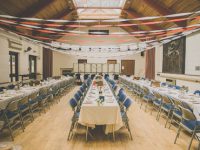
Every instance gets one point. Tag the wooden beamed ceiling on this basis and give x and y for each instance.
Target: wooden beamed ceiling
(162, 10)
(32, 10)
(65, 9)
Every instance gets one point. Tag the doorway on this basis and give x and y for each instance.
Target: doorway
(32, 67)
(13, 62)
(128, 67)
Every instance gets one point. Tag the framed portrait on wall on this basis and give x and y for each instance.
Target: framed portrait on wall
(174, 56)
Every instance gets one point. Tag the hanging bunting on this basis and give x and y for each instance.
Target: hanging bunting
(104, 20)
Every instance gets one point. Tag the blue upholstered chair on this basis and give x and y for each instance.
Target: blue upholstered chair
(167, 107)
(127, 103)
(189, 123)
(157, 103)
(12, 117)
(176, 113)
(197, 92)
(73, 103)
(147, 97)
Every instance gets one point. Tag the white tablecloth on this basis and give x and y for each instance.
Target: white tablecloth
(11, 95)
(107, 113)
(192, 100)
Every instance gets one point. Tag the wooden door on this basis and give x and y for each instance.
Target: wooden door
(32, 66)
(47, 63)
(13, 61)
(128, 67)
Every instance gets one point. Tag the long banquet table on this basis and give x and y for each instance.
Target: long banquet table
(107, 113)
(188, 97)
(11, 95)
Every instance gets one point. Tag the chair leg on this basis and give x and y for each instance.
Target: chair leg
(113, 131)
(159, 113)
(86, 133)
(193, 134)
(31, 110)
(147, 103)
(70, 131)
(178, 133)
(199, 146)
(141, 104)
(11, 132)
(131, 137)
(168, 116)
(171, 120)
(21, 122)
(31, 113)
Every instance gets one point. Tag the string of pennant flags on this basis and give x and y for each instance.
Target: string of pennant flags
(56, 28)
(103, 20)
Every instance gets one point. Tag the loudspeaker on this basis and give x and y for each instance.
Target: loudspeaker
(28, 49)
(142, 54)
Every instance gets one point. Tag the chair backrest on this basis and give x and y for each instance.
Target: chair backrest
(82, 89)
(12, 106)
(146, 90)
(115, 88)
(37, 82)
(157, 95)
(84, 85)
(73, 103)
(166, 99)
(163, 84)
(92, 76)
(85, 76)
(197, 92)
(177, 87)
(120, 92)
(33, 96)
(43, 91)
(80, 93)
(23, 101)
(77, 97)
(122, 97)
(186, 106)
(176, 102)
(127, 103)
(187, 114)
(78, 76)
(11, 86)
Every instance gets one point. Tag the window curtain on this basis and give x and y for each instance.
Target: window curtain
(47, 63)
(150, 64)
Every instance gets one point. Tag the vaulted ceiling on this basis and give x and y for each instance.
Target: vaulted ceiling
(70, 10)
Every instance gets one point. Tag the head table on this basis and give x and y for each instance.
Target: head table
(188, 97)
(106, 113)
(10, 95)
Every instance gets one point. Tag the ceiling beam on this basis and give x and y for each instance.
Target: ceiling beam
(133, 14)
(163, 10)
(99, 8)
(64, 14)
(32, 10)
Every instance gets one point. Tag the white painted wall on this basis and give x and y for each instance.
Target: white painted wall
(66, 61)
(23, 57)
(192, 60)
